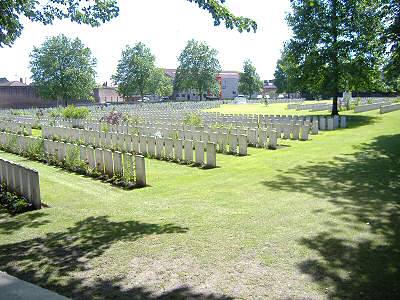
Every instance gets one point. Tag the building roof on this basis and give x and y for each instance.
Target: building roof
(3, 80)
(270, 86)
(12, 83)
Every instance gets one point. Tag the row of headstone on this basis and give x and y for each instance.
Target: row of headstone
(155, 147)
(332, 123)
(311, 107)
(367, 107)
(21, 181)
(389, 108)
(235, 142)
(16, 127)
(103, 160)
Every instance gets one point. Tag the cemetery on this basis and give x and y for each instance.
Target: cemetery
(285, 168)
(147, 153)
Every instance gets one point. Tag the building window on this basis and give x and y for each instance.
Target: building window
(234, 92)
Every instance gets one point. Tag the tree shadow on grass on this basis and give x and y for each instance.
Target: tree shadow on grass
(354, 121)
(365, 189)
(9, 223)
(53, 260)
(114, 289)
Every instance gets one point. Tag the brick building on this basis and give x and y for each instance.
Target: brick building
(17, 94)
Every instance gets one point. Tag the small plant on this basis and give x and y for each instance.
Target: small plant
(13, 203)
(56, 113)
(174, 135)
(35, 149)
(72, 112)
(18, 112)
(217, 126)
(113, 118)
(105, 127)
(11, 143)
(133, 130)
(129, 173)
(72, 159)
(131, 120)
(192, 119)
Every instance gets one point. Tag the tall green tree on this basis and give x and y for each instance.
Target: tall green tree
(198, 68)
(249, 82)
(160, 83)
(63, 69)
(287, 73)
(337, 46)
(134, 70)
(93, 13)
(392, 37)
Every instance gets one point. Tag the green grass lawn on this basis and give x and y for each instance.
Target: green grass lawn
(312, 220)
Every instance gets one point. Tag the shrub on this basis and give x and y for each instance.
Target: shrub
(131, 120)
(113, 118)
(192, 119)
(105, 127)
(36, 149)
(56, 113)
(73, 160)
(11, 143)
(72, 112)
(217, 126)
(19, 112)
(12, 202)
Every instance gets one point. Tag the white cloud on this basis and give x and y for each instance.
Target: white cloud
(165, 26)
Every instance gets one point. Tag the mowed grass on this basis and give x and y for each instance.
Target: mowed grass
(312, 220)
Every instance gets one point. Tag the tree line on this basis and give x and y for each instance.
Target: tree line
(64, 69)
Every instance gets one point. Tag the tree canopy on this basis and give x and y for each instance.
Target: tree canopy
(336, 46)
(392, 38)
(249, 82)
(92, 13)
(63, 69)
(135, 70)
(198, 68)
(160, 83)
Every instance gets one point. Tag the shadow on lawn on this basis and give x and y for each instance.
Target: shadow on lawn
(14, 223)
(354, 121)
(365, 188)
(53, 260)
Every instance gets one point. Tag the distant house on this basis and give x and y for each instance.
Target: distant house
(269, 87)
(107, 94)
(3, 80)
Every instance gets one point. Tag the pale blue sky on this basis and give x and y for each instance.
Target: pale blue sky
(165, 26)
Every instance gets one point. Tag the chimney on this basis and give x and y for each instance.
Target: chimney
(20, 80)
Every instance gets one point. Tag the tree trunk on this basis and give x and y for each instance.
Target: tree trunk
(335, 60)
